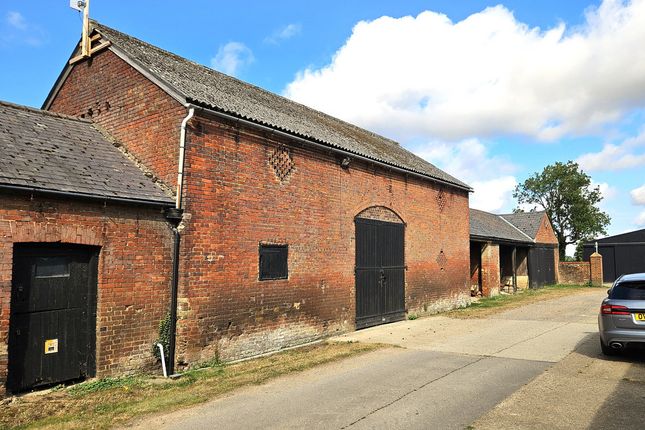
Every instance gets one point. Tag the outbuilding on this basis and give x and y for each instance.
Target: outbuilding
(511, 251)
(85, 252)
(621, 254)
(296, 225)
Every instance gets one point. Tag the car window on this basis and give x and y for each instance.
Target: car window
(628, 291)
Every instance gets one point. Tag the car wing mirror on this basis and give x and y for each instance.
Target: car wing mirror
(608, 291)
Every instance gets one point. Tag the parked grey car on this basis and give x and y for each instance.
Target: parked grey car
(621, 321)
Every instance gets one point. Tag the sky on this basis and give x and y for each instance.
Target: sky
(491, 92)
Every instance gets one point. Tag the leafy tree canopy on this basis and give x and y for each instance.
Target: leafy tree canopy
(566, 194)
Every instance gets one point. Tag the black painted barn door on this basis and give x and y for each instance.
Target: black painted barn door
(53, 315)
(380, 272)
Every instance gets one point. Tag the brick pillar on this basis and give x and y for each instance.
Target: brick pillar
(556, 258)
(490, 269)
(595, 263)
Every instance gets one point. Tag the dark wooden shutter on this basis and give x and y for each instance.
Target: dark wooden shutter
(273, 262)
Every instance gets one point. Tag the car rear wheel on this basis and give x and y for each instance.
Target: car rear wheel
(606, 349)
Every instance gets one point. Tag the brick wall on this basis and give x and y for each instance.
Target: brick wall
(133, 276)
(380, 213)
(131, 108)
(490, 269)
(234, 201)
(545, 233)
(575, 272)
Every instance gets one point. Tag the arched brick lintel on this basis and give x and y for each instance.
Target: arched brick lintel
(380, 213)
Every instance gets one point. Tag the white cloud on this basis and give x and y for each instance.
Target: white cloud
(607, 191)
(232, 57)
(489, 74)
(469, 160)
(19, 31)
(640, 220)
(16, 20)
(494, 195)
(286, 32)
(638, 196)
(628, 154)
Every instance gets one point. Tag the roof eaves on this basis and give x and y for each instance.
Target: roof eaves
(184, 100)
(292, 134)
(478, 237)
(87, 196)
(161, 83)
(173, 92)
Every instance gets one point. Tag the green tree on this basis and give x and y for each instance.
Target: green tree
(578, 255)
(566, 194)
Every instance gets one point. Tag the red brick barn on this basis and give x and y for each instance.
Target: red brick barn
(511, 251)
(85, 253)
(296, 225)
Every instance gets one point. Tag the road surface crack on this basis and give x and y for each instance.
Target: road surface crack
(529, 338)
(414, 390)
(401, 397)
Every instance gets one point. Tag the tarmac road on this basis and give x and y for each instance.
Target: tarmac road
(448, 373)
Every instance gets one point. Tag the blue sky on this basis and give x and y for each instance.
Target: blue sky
(489, 91)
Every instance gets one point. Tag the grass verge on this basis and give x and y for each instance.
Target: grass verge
(488, 306)
(109, 402)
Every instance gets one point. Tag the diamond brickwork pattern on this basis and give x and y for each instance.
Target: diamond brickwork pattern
(441, 200)
(441, 259)
(282, 163)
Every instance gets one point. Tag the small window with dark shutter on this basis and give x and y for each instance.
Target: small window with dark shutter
(273, 262)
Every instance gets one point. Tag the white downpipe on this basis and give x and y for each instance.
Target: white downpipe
(163, 360)
(182, 156)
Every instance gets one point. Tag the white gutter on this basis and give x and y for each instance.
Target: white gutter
(182, 156)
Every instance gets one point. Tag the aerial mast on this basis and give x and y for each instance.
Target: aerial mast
(84, 7)
(87, 50)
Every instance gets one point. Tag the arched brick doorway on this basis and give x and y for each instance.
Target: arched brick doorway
(380, 267)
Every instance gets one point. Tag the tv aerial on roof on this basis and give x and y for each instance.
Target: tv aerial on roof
(84, 7)
(78, 5)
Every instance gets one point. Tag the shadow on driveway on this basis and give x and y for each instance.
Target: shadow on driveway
(624, 408)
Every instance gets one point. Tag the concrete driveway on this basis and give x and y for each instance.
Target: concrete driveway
(446, 374)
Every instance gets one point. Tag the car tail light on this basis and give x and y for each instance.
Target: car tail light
(614, 310)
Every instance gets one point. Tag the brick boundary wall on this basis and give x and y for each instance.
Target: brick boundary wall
(575, 272)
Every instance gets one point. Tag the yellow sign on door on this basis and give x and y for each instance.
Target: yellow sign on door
(51, 346)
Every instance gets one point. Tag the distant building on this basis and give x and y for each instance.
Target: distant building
(511, 251)
(621, 254)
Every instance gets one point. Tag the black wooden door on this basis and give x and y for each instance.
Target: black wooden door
(380, 272)
(628, 258)
(541, 266)
(608, 263)
(53, 315)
